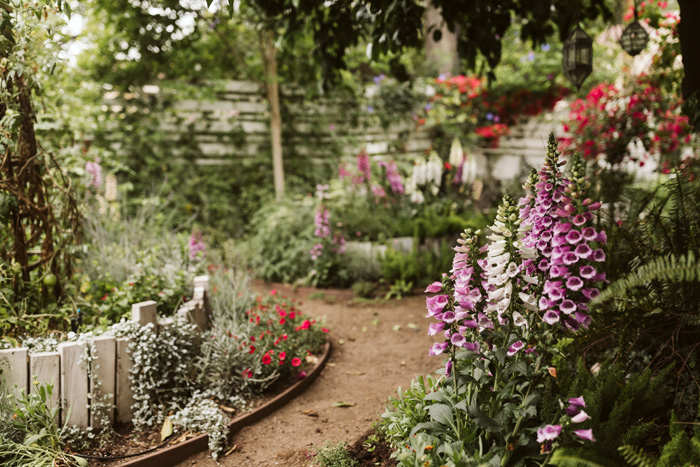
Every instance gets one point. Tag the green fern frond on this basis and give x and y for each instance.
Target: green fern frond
(635, 456)
(564, 458)
(667, 268)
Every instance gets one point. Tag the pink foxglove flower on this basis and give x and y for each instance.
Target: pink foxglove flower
(548, 433)
(585, 434)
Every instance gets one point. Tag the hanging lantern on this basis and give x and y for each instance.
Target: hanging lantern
(634, 38)
(577, 61)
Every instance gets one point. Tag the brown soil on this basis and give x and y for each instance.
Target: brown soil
(371, 358)
(371, 450)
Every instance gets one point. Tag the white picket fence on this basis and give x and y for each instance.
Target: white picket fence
(70, 374)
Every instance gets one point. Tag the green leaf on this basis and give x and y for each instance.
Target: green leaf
(500, 355)
(517, 367)
(482, 420)
(564, 458)
(436, 396)
(343, 404)
(441, 413)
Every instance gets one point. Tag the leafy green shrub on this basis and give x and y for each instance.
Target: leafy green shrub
(334, 455)
(280, 246)
(28, 432)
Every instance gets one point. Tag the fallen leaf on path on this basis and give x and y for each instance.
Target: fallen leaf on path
(375, 322)
(413, 326)
(231, 450)
(341, 341)
(396, 327)
(313, 359)
(227, 409)
(310, 413)
(343, 404)
(332, 365)
(167, 429)
(181, 438)
(355, 373)
(364, 328)
(403, 363)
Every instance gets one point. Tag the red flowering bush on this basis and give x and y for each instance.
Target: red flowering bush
(462, 106)
(280, 338)
(609, 120)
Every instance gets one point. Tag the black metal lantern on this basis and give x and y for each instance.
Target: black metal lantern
(577, 61)
(634, 38)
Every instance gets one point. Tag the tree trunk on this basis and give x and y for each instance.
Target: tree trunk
(269, 54)
(442, 55)
(689, 35)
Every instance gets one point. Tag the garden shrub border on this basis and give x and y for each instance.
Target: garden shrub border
(179, 452)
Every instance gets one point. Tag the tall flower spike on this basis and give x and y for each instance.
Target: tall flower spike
(502, 264)
(576, 250)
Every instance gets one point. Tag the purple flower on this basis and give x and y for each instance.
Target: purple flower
(589, 233)
(574, 283)
(472, 346)
(438, 348)
(436, 304)
(577, 401)
(599, 255)
(580, 417)
(548, 432)
(551, 317)
(583, 251)
(587, 272)
(457, 340)
(585, 434)
(515, 347)
(567, 307)
(574, 236)
(449, 317)
(590, 293)
(579, 220)
(434, 328)
(434, 287)
(448, 368)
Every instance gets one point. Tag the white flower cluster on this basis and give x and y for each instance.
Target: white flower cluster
(502, 263)
(202, 414)
(427, 173)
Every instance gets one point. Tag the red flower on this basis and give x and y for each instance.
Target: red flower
(292, 315)
(306, 324)
(266, 359)
(284, 337)
(296, 361)
(325, 330)
(247, 373)
(283, 320)
(283, 355)
(273, 292)
(252, 349)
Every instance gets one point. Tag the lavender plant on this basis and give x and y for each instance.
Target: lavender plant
(503, 310)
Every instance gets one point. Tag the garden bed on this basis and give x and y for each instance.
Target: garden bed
(182, 446)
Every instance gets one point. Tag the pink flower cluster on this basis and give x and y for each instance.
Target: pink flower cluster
(363, 165)
(393, 177)
(196, 245)
(94, 170)
(322, 222)
(575, 252)
(548, 433)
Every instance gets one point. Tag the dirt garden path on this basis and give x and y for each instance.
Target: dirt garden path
(376, 349)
